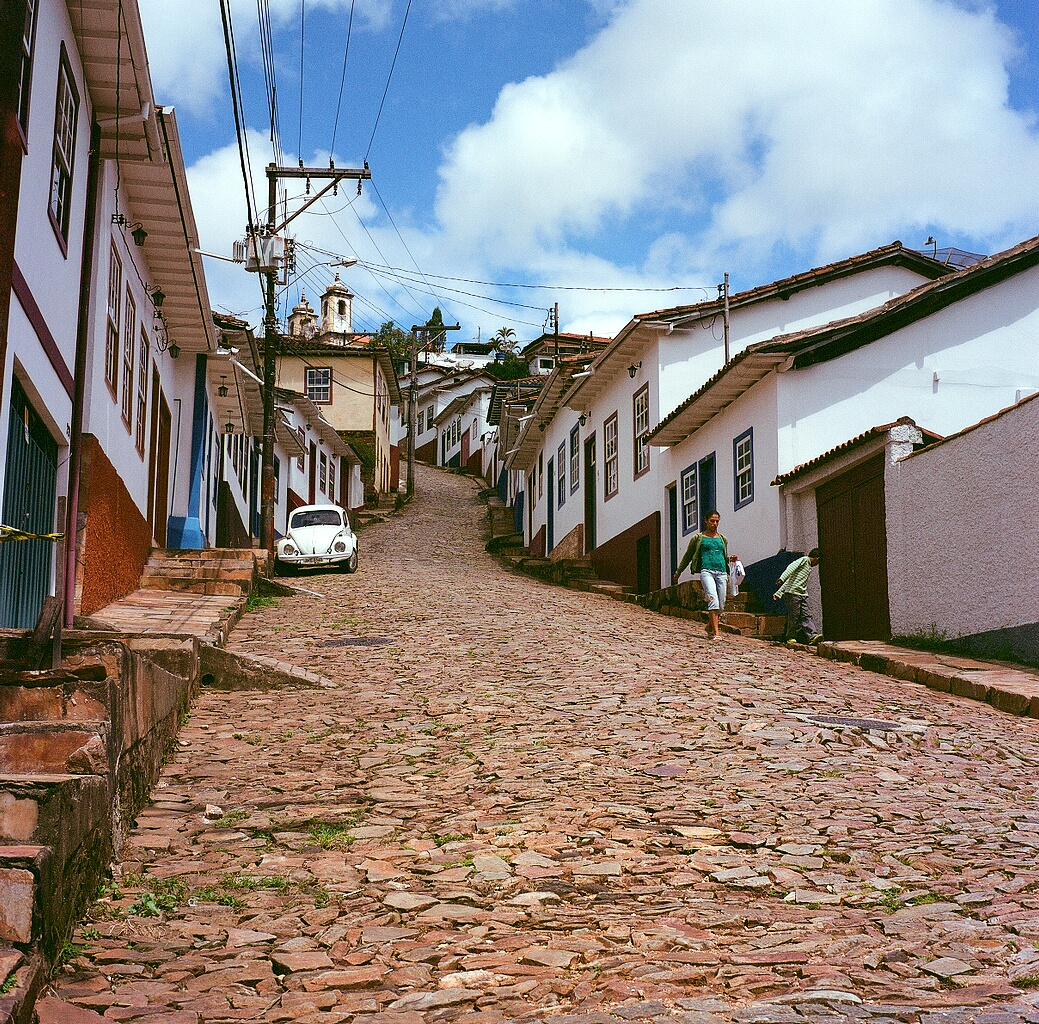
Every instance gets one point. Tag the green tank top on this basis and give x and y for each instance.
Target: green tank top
(712, 554)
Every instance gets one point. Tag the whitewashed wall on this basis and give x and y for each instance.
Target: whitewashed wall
(751, 530)
(52, 275)
(946, 372)
(689, 358)
(963, 531)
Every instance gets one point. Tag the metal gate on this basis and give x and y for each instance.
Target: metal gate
(30, 484)
(852, 536)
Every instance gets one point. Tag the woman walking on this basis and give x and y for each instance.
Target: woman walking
(708, 553)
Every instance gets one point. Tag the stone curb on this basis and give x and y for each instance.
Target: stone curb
(1013, 691)
(226, 670)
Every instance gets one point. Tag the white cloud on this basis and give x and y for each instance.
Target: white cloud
(186, 50)
(708, 135)
(750, 125)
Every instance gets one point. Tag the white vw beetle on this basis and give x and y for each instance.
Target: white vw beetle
(317, 535)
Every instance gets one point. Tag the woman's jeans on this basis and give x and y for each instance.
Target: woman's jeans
(715, 585)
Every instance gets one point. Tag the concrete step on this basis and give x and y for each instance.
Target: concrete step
(54, 747)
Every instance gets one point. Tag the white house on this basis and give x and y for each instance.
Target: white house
(946, 354)
(557, 464)
(108, 319)
(652, 366)
(315, 465)
(462, 429)
(432, 400)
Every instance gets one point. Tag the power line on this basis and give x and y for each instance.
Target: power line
(378, 116)
(402, 242)
(302, 24)
(342, 80)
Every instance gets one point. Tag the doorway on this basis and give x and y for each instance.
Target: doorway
(707, 484)
(589, 495)
(852, 537)
(671, 498)
(30, 486)
(551, 507)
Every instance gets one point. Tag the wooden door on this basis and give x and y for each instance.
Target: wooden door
(853, 541)
(162, 472)
(551, 506)
(589, 495)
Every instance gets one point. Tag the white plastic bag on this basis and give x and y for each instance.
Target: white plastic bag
(737, 575)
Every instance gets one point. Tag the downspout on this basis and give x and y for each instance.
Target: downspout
(79, 397)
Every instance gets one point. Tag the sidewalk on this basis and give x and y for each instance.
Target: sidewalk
(1014, 690)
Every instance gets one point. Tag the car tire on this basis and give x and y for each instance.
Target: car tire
(350, 565)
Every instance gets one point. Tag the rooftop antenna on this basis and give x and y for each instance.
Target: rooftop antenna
(931, 241)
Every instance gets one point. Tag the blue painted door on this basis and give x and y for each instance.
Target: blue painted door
(30, 484)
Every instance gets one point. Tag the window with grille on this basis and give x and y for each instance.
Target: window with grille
(421, 420)
(115, 298)
(319, 384)
(575, 458)
(301, 459)
(323, 472)
(129, 338)
(62, 157)
(143, 358)
(640, 408)
(611, 475)
(689, 496)
(743, 469)
(331, 479)
(561, 472)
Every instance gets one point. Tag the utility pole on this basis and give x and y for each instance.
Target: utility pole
(725, 319)
(271, 335)
(413, 394)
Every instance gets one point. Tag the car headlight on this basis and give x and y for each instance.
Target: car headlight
(340, 547)
(288, 548)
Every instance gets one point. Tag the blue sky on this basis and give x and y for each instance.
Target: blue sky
(613, 156)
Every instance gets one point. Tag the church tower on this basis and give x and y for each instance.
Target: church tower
(337, 309)
(302, 319)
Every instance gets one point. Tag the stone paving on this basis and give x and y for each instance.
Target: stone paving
(492, 799)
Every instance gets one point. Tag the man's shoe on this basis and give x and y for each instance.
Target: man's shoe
(815, 639)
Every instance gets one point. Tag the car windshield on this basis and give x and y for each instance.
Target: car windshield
(316, 517)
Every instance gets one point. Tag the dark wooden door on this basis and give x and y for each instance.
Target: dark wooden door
(551, 505)
(672, 528)
(162, 472)
(853, 541)
(312, 482)
(589, 495)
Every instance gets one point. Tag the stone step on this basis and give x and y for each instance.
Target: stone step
(23, 873)
(201, 571)
(54, 747)
(208, 554)
(54, 696)
(193, 585)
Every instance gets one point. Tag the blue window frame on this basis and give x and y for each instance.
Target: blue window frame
(743, 469)
(688, 496)
(561, 470)
(575, 457)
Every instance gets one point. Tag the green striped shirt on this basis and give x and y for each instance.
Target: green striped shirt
(794, 579)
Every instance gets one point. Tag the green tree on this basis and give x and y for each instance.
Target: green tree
(436, 338)
(397, 341)
(510, 368)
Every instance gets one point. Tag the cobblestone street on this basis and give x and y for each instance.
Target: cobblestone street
(508, 801)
